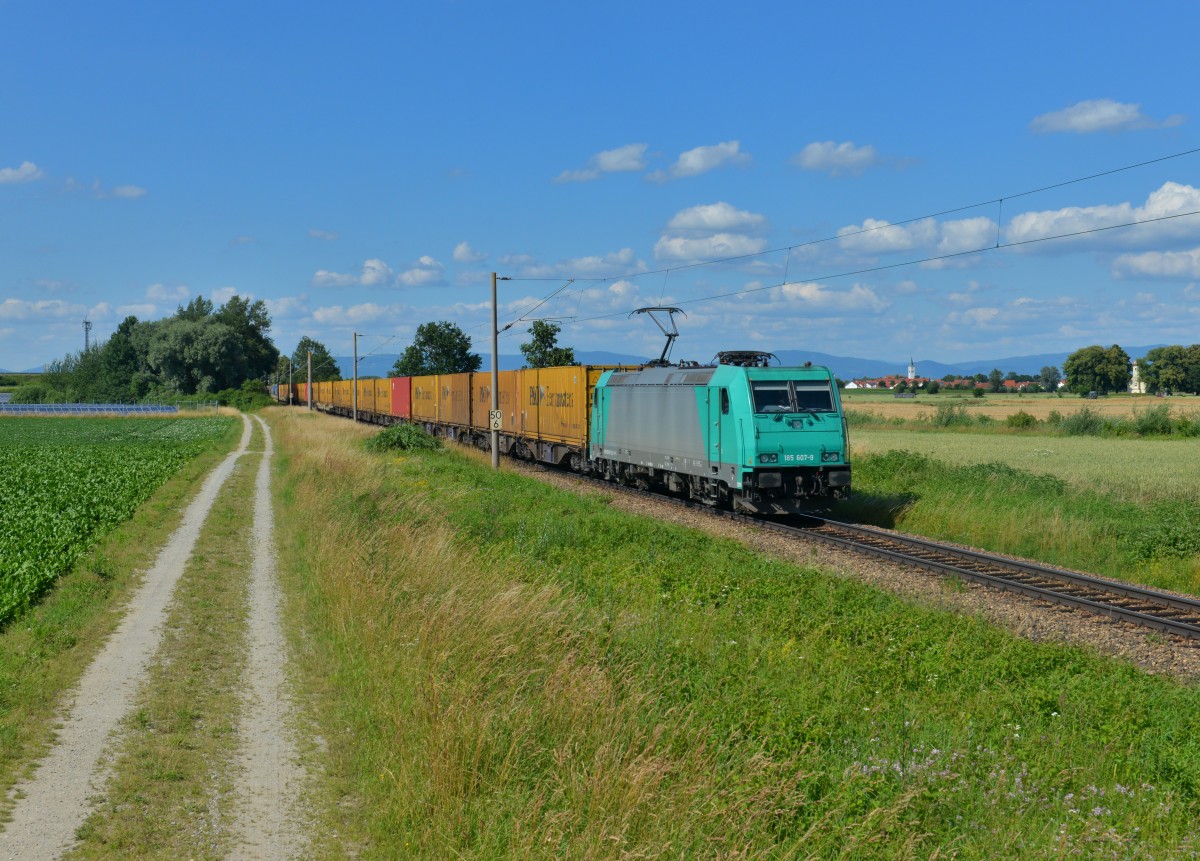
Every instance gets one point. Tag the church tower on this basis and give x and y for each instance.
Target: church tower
(912, 370)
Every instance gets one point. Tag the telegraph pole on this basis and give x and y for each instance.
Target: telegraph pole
(355, 393)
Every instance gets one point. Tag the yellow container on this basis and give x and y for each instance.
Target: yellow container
(454, 399)
(509, 398)
(557, 402)
(343, 394)
(381, 396)
(425, 399)
(366, 395)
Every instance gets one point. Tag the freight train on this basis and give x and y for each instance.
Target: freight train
(739, 433)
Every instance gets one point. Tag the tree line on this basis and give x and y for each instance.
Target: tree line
(226, 354)
(198, 350)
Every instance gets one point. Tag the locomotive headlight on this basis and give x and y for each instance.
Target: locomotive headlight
(830, 456)
(772, 457)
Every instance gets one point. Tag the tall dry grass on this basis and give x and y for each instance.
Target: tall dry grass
(479, 716)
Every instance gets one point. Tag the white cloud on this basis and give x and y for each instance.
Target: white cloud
(43, 309)
(966, 234)
(374, 273)
(98, 190)
(427, 273)
(876, 236)
(702, 159)
(1165, 265)
(129, 192)
(162, 293)
(464, 253)
(355, 315)
(1099, 115)
(837, 159)
(623, 159)
(223, 294)
(27, 172)
(141, 310)
(860, 297)
(617, 296)
(287, 306)
(323, 235)
(1172, 199)
(592, 266)
(685, 249)
(972, 317)
(715, 218)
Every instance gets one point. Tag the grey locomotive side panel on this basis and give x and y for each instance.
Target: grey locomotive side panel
(656, 426)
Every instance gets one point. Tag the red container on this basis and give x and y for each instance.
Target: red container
(402, 397)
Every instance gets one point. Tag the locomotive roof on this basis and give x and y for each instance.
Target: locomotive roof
(690, 374)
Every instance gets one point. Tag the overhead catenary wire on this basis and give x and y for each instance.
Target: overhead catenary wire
(886, 225)
(932, 259)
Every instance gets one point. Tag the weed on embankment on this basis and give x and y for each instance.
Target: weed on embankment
(510, 670)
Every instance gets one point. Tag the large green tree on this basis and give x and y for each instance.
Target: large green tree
(1171, 369)
(1049, 378)
(437, 348)
(1097, 369)
(324, 367)
(543, 351)
(250, 323)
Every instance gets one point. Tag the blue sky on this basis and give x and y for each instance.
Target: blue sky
(365, 167)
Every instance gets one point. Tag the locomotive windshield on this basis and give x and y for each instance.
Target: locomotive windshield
(791, 396)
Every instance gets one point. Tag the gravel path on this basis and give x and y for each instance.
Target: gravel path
(266, 824)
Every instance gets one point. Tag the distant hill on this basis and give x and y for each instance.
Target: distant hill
(849, 368)
(844, 367)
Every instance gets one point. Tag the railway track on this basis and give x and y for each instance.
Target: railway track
(1149, 608)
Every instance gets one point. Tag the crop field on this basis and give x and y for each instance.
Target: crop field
(1143, 469)
(998, 407)
(65, 481)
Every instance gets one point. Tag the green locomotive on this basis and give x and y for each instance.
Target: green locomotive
(739, 433)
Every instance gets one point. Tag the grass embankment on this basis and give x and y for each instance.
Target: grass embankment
(507, 670)
(45, 650)
(1087, 504)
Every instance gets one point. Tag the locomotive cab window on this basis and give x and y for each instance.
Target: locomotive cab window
(814, 396)
(725, 402)
(791, 396)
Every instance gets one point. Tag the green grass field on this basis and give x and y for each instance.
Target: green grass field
(1142, 469)
(505, 669)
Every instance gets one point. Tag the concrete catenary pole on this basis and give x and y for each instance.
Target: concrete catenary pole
(309, 389)
(354, 394)
(495, 378)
